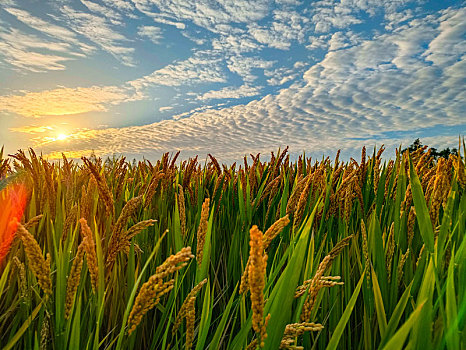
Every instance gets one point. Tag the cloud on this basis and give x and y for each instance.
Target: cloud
(32, 129)
(64, 101)
(121, 5)
(48, 28)
(231, 92)
(450, 43)
(235, 44)
(283, 75)
(114, 17)
(97, 29)
(341, 40)
(202, 67)
(166, 108)
(244, 66)
(26, 52)
(154, 34)
(214, 16)
(287, 26)
(363, 94)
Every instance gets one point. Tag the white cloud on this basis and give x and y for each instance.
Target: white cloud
(204, 13)
(29, 52)
(244, 66)
(451, 41)
(39, 24)
(287, 26)
(283, 75)
(97, 29)
(231, 92)
(166, 108)
(154, 34)
(341, 40)
(235, 44)
(394, 19)
(202, 67)
(122, 5)
(114, 17)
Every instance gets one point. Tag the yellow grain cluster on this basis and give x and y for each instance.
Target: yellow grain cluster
(411, 222)
(365, 250)
(74, 277)
(39, 266)
(294, 330)
(268, 237)
(182, 210)
(188, 312)
(400, 266)
(440, 189)
(151, 291)
(118, 239)
(33, 222)
(22, 276)
(302, 202)
(102, 186)
(389, 251)
(319, 281)
(91, 256)
(257, 269)
(376, 168)
(202, 230)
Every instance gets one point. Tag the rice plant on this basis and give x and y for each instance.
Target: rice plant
(277, 254)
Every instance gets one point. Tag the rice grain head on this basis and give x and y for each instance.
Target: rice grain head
(73, 278)
(202, 230)
(39, 266)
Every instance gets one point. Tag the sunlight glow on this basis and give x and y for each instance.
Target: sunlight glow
(61, 137)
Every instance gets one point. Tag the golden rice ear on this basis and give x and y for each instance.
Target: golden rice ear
(91, 255)
(38, 265)
(202, 230)
(257, 270)
(74, 277)
(150, 293)
(182, 210)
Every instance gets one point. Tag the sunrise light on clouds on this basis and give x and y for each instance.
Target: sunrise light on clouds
(143, 77)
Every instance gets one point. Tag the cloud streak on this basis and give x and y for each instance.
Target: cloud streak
(64, 101)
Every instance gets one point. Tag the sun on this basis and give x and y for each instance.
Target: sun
(61, 137)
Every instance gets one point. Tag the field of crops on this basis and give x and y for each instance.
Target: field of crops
(311, 254)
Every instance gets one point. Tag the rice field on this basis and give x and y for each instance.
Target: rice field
(277, 254)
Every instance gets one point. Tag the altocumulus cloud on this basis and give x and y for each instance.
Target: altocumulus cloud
(403, 80)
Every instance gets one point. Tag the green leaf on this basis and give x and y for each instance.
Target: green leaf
(397, 341)
(282, 296)
(23, 328)
(422, 213)
(396, 316)
(452, 334)
(205, 318)
(337, 333)
(214, 344)
(380, 310)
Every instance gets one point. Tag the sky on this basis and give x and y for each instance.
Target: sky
(230, 77)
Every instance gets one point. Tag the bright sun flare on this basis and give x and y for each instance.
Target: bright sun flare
(61, 137)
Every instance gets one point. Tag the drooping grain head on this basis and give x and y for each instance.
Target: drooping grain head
(38, 265)
(202, 230)
(257, 269)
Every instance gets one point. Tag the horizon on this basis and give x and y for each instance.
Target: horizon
(146, 77)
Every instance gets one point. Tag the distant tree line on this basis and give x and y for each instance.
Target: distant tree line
(445, 153)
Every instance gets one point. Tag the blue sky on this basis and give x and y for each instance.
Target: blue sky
(230, 77)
